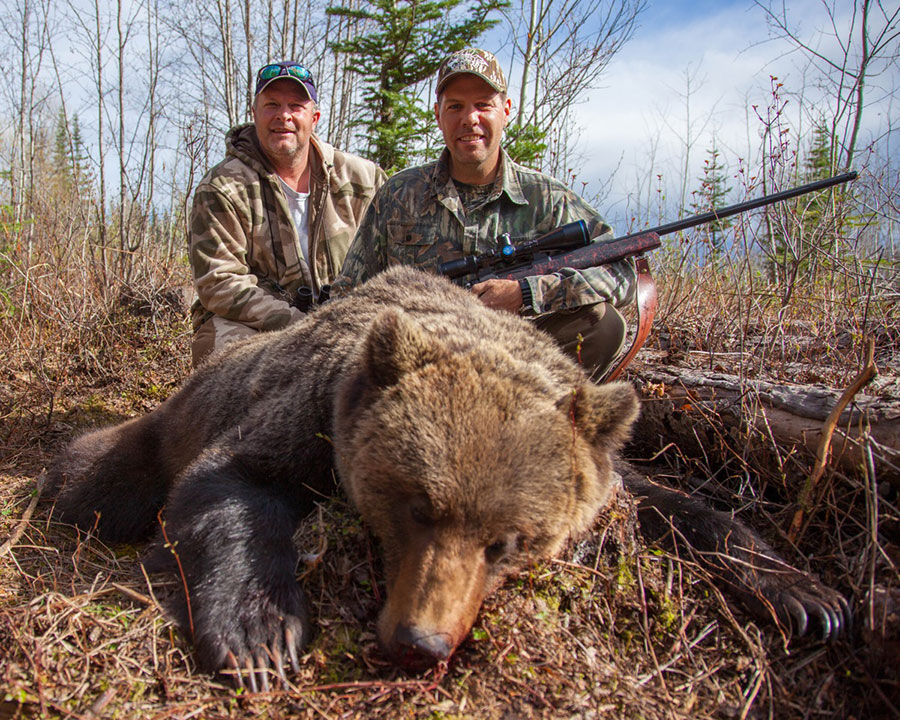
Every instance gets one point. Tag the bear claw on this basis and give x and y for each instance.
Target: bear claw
(256, 667)
(291, 646)
(817, 608)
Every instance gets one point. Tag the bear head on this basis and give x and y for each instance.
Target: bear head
(467, 464)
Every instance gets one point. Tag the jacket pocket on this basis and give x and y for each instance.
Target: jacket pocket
(413, 243)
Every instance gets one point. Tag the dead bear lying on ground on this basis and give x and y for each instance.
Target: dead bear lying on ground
(468, 442)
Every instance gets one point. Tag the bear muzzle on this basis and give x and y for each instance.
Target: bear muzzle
(432, 601)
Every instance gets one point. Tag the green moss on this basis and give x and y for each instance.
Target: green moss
(625, 577)
(340, 649)
(138, 691)
(667, 615)
(547, 607)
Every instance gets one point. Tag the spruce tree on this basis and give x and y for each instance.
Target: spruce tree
(813, 222)
(817, 165)
(827, 214)
(61, 171)
(711, 196)
(404, 46)
(526, 144)
(70, 172)
(81, 168)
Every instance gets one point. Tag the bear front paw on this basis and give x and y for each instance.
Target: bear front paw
(254, 640)
(809, 606)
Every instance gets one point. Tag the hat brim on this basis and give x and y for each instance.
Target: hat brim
(310, 93)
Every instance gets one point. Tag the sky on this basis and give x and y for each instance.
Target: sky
(633, 126)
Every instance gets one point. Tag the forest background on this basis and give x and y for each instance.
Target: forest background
(110, 112)
(639, 106)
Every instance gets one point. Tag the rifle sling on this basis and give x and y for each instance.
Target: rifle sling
(645, 297)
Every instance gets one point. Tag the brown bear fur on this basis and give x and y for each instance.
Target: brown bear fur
(465, 438)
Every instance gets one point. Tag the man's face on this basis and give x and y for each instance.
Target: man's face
(285, 117)
(471, 116)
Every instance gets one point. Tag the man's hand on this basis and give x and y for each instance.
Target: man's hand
(499, 294)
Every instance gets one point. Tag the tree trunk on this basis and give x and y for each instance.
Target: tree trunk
(100, 144)
(124, 256)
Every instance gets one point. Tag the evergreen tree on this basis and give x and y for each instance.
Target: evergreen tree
(526, 144)
(406, 43)
(817, 165)
(819, 162)
(81, 168)
(61, 169)
(61, 143)
(70, 172)
(827, 214)
(711, 196)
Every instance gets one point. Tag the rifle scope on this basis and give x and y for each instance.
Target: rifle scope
(566, 237)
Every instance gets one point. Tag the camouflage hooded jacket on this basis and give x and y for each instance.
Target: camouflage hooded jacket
(244, 250)
(417, 219)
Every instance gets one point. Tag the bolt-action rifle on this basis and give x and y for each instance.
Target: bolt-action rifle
(570, 246)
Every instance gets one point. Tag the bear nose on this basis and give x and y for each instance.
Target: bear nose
(414, 647)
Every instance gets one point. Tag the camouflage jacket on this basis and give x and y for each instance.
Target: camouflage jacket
(244, 250)
(417, 219)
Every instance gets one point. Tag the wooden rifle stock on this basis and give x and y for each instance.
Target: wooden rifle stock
(585, 257)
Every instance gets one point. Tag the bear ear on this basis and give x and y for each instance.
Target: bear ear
(396, 346)
(603, 414)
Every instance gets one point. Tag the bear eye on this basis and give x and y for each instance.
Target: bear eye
(421, 513)
(496, 551)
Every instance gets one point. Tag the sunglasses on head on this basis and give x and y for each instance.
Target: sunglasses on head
(277, 69)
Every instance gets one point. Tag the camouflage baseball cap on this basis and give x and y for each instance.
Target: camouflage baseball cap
(475, 62)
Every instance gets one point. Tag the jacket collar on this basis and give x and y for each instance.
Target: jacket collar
(507, 180)
(321, 160)
(241, 142)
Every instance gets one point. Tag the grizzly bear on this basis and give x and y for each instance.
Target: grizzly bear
(466, 439)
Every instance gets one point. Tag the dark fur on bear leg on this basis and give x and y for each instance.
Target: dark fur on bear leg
(113, 480)
(751, 569)
(233, 539)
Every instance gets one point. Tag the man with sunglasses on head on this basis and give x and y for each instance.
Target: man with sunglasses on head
(472, 195)
(278, 214)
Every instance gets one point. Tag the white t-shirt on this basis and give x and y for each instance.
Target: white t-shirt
(298, 203)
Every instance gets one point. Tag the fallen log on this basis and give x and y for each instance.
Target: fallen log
(777, 425)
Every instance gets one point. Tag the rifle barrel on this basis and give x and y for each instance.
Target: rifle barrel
(725, 212)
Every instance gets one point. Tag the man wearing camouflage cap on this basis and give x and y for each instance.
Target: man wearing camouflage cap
(278, 213)
(474, 193)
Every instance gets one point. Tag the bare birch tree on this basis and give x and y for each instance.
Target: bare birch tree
(560, 49)
(851, 52)
(341, 27)
(25, 27)
(92, 30)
